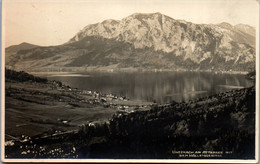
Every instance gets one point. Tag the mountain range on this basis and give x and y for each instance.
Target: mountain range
(143, 42)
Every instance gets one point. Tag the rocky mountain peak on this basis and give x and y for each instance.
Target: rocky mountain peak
(162, 33)
(140, 29)
(226, 25)
(110, 21)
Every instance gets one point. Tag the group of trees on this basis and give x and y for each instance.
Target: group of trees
(22, 76)
(224, 122)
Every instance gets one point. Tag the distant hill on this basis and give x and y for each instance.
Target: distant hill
(22, 46)
(145, 41)
(246, 29)
(11, 57)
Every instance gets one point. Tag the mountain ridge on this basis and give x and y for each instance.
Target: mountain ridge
(154, 41)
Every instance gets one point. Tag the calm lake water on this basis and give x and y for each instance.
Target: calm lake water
(162, 87)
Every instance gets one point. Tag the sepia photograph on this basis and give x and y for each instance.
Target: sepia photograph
(158, 81)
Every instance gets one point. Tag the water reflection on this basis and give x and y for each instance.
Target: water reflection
(162, 87)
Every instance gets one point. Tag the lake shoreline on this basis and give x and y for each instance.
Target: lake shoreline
(160, 87)
(123, 70)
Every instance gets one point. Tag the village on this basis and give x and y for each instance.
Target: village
(57, 109)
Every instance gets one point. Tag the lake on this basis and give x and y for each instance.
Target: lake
(160, 87)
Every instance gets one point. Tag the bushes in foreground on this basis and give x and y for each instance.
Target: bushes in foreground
(225, 122)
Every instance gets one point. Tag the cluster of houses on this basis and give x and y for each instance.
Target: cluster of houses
(107, 100)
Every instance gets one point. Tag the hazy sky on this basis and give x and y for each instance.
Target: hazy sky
(53, 22)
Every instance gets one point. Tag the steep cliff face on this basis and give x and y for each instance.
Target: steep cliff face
(154, 41)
